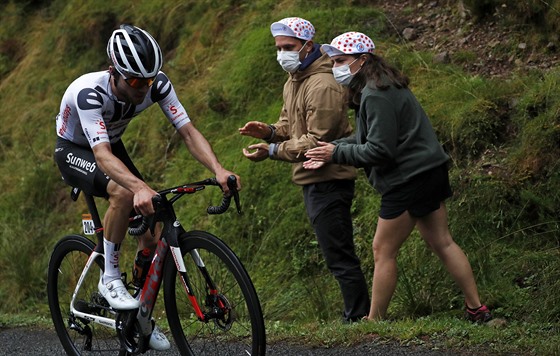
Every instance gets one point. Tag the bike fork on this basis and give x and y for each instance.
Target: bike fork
(182, 270)
(212, 289)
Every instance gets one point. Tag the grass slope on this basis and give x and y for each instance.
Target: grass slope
(503, 136)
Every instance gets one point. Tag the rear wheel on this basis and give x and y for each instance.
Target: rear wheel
(78, 336)
(233, 322)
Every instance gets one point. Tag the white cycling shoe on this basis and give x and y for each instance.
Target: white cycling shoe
(117, 295)
(158, 341)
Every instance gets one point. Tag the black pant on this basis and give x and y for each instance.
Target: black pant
(328, 207)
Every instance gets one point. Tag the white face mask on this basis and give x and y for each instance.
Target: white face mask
(289, 60)
(343, 75)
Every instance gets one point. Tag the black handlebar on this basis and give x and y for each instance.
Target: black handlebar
(140, 230)
(148, 222)
(226, 199)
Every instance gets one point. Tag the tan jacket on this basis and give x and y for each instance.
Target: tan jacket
(314, 110)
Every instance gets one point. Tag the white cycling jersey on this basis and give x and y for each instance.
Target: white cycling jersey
(90, 113)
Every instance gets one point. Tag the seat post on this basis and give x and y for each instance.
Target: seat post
(92, 207)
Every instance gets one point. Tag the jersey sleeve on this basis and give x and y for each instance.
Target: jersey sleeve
(90, 108)
(164, 94)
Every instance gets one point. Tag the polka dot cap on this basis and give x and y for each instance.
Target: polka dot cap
(293, 27)
(349, 43)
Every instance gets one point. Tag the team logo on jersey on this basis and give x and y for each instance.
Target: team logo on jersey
(80, 164)
(161, 88)
(89, 99)
(65, 116)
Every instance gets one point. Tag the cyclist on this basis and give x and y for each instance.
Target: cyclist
(398, 149)
(94, 113)
(314, 109)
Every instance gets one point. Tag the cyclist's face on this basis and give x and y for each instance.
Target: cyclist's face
(126, 92)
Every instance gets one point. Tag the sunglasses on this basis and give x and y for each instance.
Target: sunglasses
(137, 83)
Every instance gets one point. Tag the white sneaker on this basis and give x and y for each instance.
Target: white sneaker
(117, 296)
(158, 341)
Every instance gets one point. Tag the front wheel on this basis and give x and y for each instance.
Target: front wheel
(233, 322)
(78, 335)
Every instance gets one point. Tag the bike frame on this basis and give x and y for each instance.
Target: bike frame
(169, 241)
(75, 312)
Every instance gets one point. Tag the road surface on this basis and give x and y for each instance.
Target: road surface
(29, 342)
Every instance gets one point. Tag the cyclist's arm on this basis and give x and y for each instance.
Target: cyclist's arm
(164, 94)
(201, 150)
(119, 173)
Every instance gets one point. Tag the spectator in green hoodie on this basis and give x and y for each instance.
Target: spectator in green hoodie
(395, 144)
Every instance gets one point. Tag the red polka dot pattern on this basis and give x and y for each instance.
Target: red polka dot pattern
(349, 43)
(293, 27)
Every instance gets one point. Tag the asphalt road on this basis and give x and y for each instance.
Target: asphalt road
(29, 342)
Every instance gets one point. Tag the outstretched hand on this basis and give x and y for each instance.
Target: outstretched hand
(260, 152)
(256, 129)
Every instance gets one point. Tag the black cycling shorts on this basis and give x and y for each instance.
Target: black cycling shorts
(79, 169)
(419, 196)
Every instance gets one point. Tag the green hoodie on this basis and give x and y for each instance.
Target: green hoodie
(393, 141)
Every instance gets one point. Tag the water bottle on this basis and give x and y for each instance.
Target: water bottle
(142, 264)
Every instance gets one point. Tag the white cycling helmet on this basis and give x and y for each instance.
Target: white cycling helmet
(134, 52)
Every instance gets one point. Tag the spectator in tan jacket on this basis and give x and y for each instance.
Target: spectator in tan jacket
(314, 110)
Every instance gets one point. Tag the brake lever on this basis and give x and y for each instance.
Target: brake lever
(232, 185)
(156, 202)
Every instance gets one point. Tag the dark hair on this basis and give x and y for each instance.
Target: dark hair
(375, 71)
(115, 74)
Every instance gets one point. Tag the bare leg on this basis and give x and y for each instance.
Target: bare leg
(115, 220)
(116, 226)
(435, 232)
(389, 237)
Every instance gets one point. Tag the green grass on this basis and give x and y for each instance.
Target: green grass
(502, 135)
(440, 332)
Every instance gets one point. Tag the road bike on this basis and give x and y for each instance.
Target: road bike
(210, 302)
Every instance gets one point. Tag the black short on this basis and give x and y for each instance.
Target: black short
(419, 196)
(79, 169)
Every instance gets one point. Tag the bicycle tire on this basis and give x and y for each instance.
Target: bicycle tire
(66, 264)
(244, 334)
